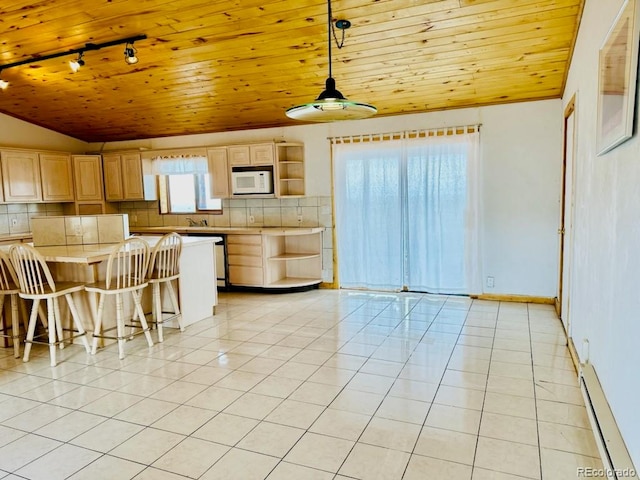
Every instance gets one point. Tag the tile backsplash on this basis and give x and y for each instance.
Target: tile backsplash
(16, 217)
(265, 212)
(254, 212)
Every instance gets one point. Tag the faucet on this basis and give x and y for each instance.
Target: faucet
(204, 223)
(192, 222)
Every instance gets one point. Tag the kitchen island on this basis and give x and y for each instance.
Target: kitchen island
(197, 290)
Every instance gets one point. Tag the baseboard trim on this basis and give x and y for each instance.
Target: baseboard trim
(613, 451)
(514, 298)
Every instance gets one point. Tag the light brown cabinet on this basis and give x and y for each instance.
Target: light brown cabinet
(248, 155)
(219, 172)
(57, 177)
(124, 178)
(21, 176)
(278, 259)
(87, 171)
(31, 176)
(87, 180)
(245, 259)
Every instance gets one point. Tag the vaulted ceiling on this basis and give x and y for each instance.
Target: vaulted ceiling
(220, 65)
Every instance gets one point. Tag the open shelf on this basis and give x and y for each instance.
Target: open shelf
(294, 256)
(290, 169)
(293, 282)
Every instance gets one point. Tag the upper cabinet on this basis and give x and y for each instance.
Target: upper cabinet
(247, 155)
(20, 176)
(124, 178)
(87, 171)
(289, 169)
(31, 176)
(219, 172)
(57, 177)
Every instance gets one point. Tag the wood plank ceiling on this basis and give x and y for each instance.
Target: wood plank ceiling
(220, 65)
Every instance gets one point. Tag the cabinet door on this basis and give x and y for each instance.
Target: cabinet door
(239, 155)
(112, 177)
(87, 171)
(57, 177)
(21, 176)
(132, 186)
(262, 154)
(219, 171)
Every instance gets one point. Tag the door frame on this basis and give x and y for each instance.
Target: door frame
(566, 197)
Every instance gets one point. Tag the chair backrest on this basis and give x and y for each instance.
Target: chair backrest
(8, 278)
(165, 258)
(127, 264)
(31, 269)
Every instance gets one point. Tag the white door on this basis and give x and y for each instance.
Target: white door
(566, 227)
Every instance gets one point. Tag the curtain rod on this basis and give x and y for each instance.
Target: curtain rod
(422, 133)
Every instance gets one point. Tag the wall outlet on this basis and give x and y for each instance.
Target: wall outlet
(14, 222)
(490, 282)
(251, 219)
(299, 218)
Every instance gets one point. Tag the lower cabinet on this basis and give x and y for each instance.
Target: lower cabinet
(245, 260)
(278, 259)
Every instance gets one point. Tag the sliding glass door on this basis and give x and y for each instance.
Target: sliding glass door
(406, 214)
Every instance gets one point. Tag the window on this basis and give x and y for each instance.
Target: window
(187, 193)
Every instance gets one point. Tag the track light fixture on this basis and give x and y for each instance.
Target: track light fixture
(130, 55)
(77, 63)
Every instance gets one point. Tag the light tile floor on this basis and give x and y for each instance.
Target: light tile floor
(316, 385)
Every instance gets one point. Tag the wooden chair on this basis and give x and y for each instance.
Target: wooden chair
(164, 268)
(9, 286)
(36, 283)
(126, 273)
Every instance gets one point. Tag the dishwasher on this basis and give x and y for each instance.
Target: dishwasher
(220, 250)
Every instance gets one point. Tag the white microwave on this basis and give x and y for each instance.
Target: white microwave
(246, 182)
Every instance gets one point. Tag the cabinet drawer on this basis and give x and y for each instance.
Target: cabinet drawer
(244, 239)
(245, 275)
(249, 260)
(255, 250)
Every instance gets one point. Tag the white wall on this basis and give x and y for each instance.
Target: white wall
(605, 295)
(17, 133)
(522, 146)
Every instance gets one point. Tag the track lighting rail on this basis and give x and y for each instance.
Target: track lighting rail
(87, 48)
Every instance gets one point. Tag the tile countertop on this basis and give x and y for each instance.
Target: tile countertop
(89, 254)
(15, 237)
(227, 230)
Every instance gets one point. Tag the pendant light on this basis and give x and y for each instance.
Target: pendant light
(331, 105)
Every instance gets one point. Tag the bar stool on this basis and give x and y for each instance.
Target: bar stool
(36, 283)
(126, 273)
(164, 268)
(9, 286)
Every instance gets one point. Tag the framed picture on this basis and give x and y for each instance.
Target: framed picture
(618, 67)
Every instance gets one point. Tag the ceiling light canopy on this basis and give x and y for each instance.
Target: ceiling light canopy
(130, 55)
(331, 105)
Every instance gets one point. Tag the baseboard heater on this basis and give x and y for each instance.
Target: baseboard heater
(613, 451)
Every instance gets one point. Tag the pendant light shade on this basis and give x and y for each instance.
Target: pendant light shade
(331, 105)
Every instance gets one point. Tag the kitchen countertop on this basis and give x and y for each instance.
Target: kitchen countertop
(15, 237)
(94, 253)
(229, 230)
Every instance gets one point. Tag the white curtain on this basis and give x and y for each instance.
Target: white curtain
(179, 164)
(407, 214)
